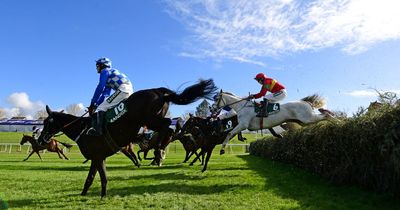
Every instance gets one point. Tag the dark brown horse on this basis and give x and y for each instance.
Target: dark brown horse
(205, 138)
(191, 143)
(145, 107)
(52, 146)
(147, 143)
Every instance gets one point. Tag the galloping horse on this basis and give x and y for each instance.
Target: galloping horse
(202, 132)
(52, 146)
(297, 111)
(145, 107)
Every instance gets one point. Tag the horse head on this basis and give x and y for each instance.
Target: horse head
(224, 99)
(51, 126)
(25, 138)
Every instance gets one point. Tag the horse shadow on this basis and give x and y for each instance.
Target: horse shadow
(190, 189)
(159, 176)
(309, 190)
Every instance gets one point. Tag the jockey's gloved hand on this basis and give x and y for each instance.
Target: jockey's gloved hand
(249, 97)
(91, 109)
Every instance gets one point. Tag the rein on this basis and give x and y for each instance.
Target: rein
(74, 121)
(220, 99)
(68, 124)
(226, 105)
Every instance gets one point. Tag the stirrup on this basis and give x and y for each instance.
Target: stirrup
(92, 132)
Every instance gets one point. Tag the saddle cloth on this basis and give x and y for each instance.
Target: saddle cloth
(271, 109)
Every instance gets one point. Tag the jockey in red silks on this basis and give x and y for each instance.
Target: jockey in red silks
(278, 92)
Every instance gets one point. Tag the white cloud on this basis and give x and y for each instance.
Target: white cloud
(362, 93)
(369, 93)
(21, 103)
(245, 30)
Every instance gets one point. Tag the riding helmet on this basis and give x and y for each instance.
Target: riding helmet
(106, 62)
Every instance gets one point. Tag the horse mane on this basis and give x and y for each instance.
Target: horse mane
(229, 93)
(315, 100)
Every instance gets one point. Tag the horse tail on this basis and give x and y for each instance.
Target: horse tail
(66, 145)
(203, 89)
(315, 100)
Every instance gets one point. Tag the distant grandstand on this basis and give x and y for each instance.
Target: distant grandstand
(19, 124)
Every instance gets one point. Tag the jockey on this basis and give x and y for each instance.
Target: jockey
(278, 92)
(110, 78)
(36, 132)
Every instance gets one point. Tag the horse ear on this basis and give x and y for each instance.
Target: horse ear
(48, 110)
(62, 111)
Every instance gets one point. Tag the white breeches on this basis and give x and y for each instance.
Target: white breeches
(115, 98)
(278, 96)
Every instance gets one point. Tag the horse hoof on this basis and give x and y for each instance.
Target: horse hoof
(221, 152)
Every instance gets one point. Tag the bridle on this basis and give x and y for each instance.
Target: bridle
(61, 127)
(218, 107)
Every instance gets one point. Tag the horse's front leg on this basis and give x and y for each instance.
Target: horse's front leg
(209, 152)
(101, 167)
(58, 153)
(90, 177)
(233, 132)
(62, 153)
(203, 150)
(29, 156)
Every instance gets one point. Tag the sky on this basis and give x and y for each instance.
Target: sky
(343, 50)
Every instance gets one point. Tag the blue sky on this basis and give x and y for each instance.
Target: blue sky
(339, 49)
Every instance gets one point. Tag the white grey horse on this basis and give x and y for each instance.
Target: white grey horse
(298, 111)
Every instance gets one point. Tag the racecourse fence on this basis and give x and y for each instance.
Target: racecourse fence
(174, 147)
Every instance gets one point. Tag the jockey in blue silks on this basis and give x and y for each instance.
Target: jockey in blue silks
(110, 79)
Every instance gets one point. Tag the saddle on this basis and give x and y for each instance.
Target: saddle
(272, 108)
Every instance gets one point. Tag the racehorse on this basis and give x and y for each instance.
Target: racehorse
(52, 146)
(202, 132)
(190, 144)
(297, 111)
(145, 107)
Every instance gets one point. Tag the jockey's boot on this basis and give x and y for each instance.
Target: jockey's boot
(97, 129)
(263, 112)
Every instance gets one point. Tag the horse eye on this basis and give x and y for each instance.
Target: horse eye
(51, 120)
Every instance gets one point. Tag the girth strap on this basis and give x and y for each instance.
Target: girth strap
(110, 141)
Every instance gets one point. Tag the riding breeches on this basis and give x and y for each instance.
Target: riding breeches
(114, 99)
(278, 96)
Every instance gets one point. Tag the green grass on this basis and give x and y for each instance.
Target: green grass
(15, 137)
(231, 182)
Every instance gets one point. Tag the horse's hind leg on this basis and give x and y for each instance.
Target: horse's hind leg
(131, 155)
(138, 155)
(37, 152)
(89, 179)
(161, 125)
